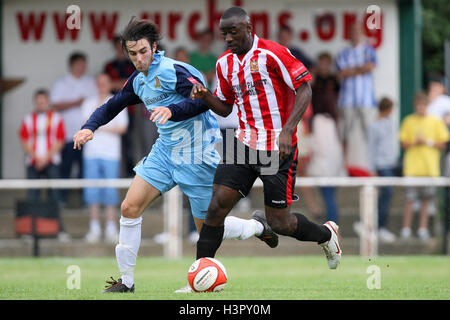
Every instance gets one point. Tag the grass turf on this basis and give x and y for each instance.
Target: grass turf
(267, 278)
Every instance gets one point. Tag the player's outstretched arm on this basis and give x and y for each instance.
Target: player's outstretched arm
(81, 137)
(213, 102)
(108, 111)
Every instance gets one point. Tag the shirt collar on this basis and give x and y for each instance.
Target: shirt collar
(157, 57)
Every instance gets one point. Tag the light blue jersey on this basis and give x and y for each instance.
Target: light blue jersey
(184, 153)
(170, 82)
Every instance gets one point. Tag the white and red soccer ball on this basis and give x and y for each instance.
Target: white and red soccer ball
(207, 275)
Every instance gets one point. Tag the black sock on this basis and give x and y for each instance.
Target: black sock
(209, 241)
(310, 231)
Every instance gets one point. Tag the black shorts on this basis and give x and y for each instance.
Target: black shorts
(240, 168)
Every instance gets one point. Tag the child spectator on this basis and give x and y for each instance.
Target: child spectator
(383, 157)
(423, 137)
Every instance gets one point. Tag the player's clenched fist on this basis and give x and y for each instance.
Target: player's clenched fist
(198, 91)
(81, 137)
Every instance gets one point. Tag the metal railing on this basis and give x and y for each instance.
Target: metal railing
(172, 201)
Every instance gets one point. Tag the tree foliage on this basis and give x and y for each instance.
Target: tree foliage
(436, 29)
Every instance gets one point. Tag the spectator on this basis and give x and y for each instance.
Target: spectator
(119, 69)
(304, 159)
(383, 157)
(439, 100)
(181, 54)
(101, 160)
(66, 96)
(423, 137)
(285, 36)
(326, 150)
(325, 87)
(204, 59)
(357, 108)
(42, 134)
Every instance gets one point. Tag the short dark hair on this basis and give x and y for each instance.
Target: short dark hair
(234, 12)
(285, 27)
(138, 29)
(117, 39)
(385, 104)
(421, 97)
(75, 56)
(325, 55)
(40, 91)
(206, 32)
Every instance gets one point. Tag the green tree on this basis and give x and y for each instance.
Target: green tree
(436, 29)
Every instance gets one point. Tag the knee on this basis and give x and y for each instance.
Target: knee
(217, 211)
(280, 225)
(129, 210)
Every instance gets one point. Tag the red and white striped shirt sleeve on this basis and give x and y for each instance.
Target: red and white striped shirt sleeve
(23, 132)
(60, 131)
(223, 89)
(292, 70)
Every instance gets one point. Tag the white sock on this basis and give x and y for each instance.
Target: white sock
(128, 247)
(94, 226)
(241, 229)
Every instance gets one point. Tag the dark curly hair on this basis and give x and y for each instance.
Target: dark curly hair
(138, 29)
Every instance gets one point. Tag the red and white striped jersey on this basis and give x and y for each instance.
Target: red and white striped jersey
(41, 131)
(262, 84)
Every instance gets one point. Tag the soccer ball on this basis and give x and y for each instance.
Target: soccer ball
(206, 275)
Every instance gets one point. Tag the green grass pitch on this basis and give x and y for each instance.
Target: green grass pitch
(268, 278)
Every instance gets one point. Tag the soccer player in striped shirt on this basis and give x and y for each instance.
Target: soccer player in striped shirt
(183, 155)
(271, 90)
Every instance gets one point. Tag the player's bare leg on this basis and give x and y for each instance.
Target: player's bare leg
(139, 196)
(299, 227)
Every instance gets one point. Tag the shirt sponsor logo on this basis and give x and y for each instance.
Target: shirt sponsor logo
(157, 83)
(279, 201)
(149, 101)
(254, 66)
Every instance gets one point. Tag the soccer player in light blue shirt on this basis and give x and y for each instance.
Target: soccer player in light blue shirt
(183, 155)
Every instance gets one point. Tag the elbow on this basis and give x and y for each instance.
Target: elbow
(224, 113)
(223, 110)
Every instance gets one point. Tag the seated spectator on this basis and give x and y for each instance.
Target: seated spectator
(42, 134)
(423, 137)
(383, 157)
(101, 160)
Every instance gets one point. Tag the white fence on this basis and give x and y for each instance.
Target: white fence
(173, 201)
